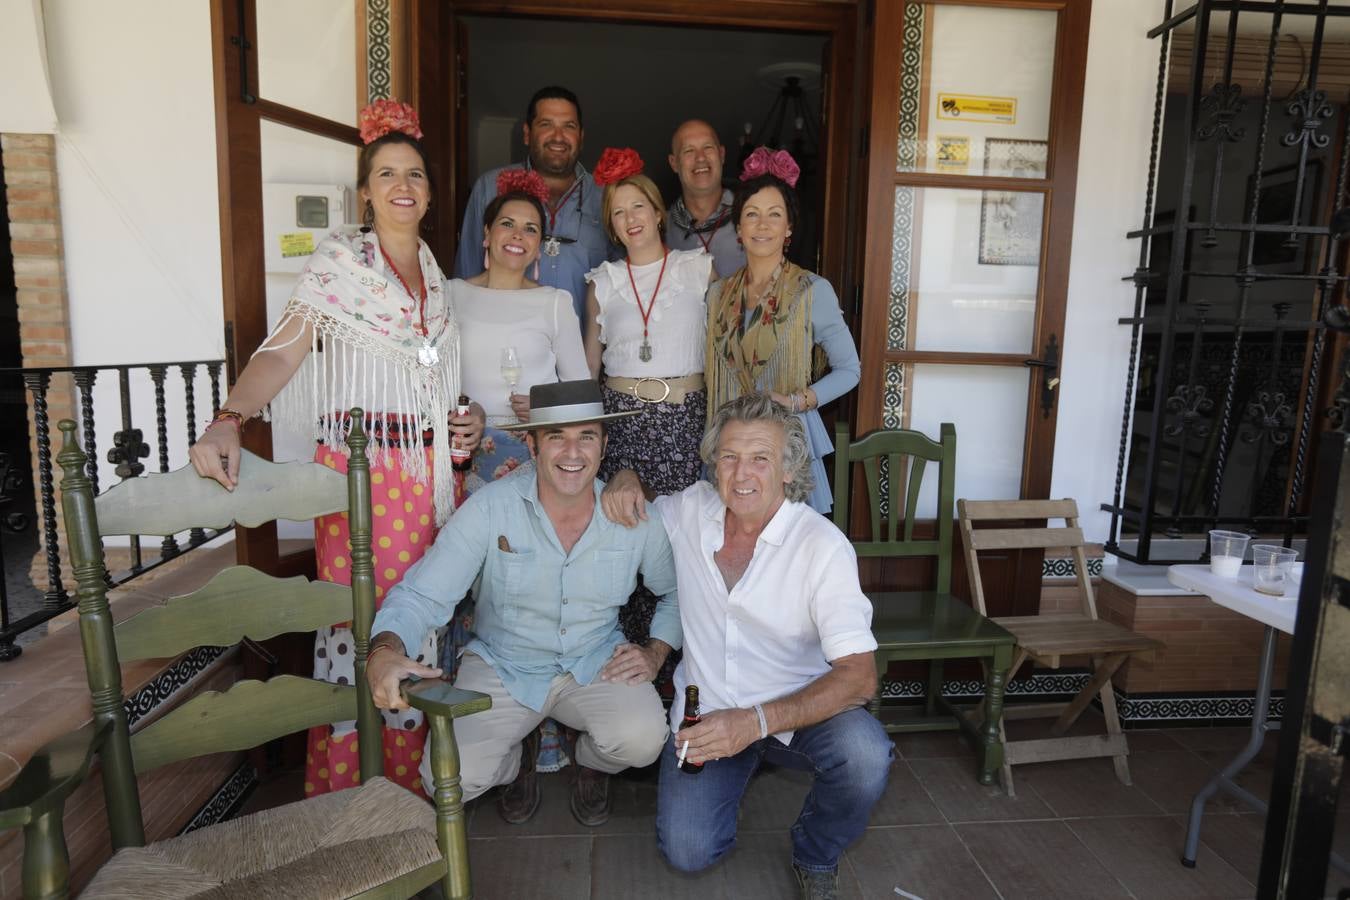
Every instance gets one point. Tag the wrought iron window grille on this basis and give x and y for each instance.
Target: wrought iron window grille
(1240, 271)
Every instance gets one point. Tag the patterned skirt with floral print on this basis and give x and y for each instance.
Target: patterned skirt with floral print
(403, 527)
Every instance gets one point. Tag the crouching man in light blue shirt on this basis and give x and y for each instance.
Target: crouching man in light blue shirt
(549, 572)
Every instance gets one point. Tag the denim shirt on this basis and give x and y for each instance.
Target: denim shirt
(540, 612)
(584, 245)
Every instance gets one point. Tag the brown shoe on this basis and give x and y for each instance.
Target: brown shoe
(519, 800)
(590, 796)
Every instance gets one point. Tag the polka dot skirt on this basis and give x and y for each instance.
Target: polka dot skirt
(403, 526)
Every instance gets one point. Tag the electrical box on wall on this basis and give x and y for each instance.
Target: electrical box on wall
(296, 217)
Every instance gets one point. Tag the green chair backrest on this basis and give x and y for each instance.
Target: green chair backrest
(238, 602)
(906, 453)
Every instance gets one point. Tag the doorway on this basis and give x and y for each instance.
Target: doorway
(636, 83)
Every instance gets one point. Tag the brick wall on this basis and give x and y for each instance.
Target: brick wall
(39, 274)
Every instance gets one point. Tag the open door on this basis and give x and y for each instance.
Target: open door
(290, 80)
(970, 188)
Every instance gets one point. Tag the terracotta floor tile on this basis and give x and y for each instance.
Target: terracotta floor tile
(1084, 787)
(515, 868)
(928, 861)
(1039, 860)
(1172, 779)
(625, 867)
(1144, 854)
(961, 798)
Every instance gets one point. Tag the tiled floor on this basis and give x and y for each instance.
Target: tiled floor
(1072, 831)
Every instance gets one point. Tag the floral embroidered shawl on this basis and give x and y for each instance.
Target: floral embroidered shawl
(366, 334)
(773, 352)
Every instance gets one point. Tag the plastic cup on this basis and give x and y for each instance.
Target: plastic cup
(1293, 579)
(1226, 550)
(1270, 567)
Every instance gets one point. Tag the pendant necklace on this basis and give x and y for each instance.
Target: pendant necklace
(552, 244)
(427, 354)
(645, 350)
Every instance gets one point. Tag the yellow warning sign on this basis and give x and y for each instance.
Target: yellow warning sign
(967, 108)
(297, 243)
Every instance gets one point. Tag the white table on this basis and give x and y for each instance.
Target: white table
(1277, 614)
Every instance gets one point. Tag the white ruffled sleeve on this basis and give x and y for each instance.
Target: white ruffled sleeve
(602, 276)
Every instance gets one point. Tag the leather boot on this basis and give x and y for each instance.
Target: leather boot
(590, 796)
(519, 800)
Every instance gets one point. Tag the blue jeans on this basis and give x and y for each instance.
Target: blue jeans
(850, 756)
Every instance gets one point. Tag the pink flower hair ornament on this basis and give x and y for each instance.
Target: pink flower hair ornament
(617, 164)
(384, 116)
(778, 163)
(526, 181)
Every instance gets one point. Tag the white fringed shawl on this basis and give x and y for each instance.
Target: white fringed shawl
(366, 334)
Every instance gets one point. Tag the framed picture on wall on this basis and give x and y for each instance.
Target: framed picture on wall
(1010, 221)
(1284, 252)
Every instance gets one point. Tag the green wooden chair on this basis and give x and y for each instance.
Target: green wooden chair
(929, 625)
(376, 840)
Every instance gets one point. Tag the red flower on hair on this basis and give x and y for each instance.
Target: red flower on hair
(384, 116)
(525, 180)
(617, 164)
(778, 163)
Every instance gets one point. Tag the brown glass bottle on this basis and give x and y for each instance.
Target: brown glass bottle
(691, 717)
(460, 459)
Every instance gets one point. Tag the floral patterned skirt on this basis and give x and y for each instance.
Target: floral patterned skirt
(403, 527)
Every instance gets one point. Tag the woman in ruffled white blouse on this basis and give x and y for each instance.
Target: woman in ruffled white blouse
(646, 328)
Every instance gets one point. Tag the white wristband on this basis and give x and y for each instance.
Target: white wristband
(763, 722)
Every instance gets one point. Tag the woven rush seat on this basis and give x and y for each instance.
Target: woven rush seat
(332, 845)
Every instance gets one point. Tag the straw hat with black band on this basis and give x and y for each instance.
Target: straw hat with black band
(566, 403)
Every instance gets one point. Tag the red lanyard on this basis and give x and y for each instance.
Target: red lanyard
(422, 304)
(554, 210)
(647, 313)
(712, 232)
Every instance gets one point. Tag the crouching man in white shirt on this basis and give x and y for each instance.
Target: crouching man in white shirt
(778, 639)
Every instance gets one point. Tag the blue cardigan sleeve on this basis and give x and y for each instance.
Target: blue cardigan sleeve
(830, 332)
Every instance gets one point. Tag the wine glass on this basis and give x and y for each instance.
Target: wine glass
(510, 370)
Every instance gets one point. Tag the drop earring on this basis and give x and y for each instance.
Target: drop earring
(486, 261)
(368, 218)
(535, 275)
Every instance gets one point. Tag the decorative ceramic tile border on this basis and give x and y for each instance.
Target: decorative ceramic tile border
(1144, 710)
(1157, 709)
(379, 56)
(169, 682)
(1041, 685)
(226, 800)
(1063, 567)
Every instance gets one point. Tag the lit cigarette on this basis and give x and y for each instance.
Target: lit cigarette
(683, 750)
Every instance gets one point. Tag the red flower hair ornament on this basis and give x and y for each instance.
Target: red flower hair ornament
(615, 165)
(526, 181)
(778, 163)
(384, 116)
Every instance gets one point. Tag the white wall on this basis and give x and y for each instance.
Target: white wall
(136, 158)
(1112, 168)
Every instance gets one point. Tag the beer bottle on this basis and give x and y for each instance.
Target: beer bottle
(691, 717)
(460, 459)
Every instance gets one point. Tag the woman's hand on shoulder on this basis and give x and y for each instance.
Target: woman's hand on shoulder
(216, 454)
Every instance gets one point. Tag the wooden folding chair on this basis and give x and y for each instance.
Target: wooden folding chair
(1051, 638)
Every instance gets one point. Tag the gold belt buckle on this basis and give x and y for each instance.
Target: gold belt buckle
(637, 389)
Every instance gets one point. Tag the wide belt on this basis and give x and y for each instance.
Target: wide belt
(657, 390)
